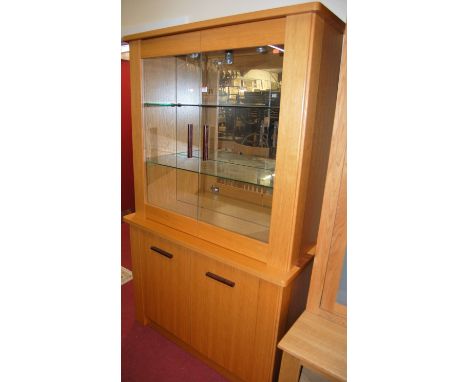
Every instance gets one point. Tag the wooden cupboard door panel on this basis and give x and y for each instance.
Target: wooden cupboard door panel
(223, 317)
(167, 268)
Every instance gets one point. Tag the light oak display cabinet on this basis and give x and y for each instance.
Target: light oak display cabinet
(232, 121)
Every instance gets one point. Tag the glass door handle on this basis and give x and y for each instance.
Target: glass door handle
(189, 140)
(205, 142)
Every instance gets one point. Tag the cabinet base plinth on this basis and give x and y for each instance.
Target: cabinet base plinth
(225, 373)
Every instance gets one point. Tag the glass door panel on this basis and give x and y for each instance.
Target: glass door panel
(172, 182)
(159, 129)
(188, 132)
(241, 94)
(211, 127)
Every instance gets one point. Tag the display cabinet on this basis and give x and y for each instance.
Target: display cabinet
(232, 121)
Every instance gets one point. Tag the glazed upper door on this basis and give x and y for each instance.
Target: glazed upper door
(240, 114)
(172, 133)
(211, 129)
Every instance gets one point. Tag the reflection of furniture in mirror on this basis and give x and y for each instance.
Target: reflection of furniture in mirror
(232, 122)
(317, 340)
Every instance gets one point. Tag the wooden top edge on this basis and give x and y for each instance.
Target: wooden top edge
(243, 18)
(316, 337)
(221, 254)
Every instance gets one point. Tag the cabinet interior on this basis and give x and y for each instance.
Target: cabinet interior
(211, 124)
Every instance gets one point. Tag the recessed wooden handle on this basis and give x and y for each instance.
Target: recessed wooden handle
(162, 252)
(220, 279)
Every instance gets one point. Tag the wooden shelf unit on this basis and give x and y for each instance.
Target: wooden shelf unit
(223, 293)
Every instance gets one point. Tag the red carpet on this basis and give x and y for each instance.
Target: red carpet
(147, 356)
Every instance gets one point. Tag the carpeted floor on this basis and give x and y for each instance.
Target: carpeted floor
(147, 356)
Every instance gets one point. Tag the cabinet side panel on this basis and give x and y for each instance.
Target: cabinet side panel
(137, 135)
(137, 250)
(310, 82)
(269, 304)
(292, 125)
(299, 292)
(321, 128)
(278, 308)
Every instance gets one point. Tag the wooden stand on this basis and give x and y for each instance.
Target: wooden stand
(316, 343)
(317, 340)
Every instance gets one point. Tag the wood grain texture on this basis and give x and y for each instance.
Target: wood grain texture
(269, 304)
(317, 140)
(290, 369)
(237, 328)
(318, 344)
(171, 45)
(243, 35)
(299, 293)
(292, 123)
(166, 282)
(336, 254)
(137, 133)
(245, 245)
(315, 7)
(184, 345)
(332, 188)
(303, 152)
(222, 317)
(224, 255)
(137, 242)
(278, 307)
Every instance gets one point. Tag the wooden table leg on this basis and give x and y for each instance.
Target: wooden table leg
(290, 369)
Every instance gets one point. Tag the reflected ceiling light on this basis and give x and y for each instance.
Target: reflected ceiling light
(276, 47)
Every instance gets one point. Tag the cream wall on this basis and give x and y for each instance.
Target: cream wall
(143, 15)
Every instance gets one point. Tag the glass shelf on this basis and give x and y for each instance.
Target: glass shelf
(242, 106)
(230, 166)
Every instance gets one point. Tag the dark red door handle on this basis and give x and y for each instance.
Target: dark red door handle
(205, 142)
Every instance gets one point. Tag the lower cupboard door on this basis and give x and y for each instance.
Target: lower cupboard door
(223, 314)
(166, 286)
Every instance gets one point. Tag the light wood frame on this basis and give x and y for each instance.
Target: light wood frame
(313, 38)
(332, 233)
